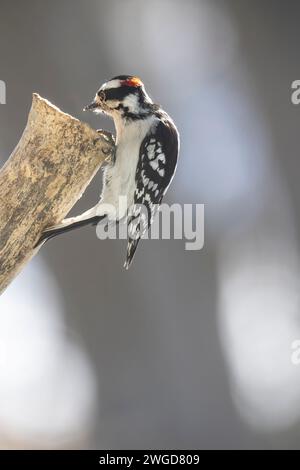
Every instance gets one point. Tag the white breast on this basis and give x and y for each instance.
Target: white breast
(119, 180)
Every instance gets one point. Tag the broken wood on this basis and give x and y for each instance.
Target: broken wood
(53, 163)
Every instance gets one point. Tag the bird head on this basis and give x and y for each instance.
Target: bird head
(124, 95)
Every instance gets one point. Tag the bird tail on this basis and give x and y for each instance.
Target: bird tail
(131, 248)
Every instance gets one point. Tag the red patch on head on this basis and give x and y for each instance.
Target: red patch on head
(134, 81)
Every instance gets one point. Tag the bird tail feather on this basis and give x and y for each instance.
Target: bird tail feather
(131, 249)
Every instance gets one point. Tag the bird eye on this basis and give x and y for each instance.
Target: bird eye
(101, 95)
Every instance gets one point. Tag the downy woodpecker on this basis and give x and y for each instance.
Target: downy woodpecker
(147, 145)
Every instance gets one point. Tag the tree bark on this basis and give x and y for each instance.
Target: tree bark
(46, 174)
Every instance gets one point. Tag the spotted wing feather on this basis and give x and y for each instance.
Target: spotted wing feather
(155, 170)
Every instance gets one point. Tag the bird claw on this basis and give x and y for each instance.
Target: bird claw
(107, 135)
(110, 152)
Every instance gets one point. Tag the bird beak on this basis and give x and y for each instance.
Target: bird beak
(90, 107)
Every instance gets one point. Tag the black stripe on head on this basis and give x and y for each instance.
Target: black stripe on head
(119, 93)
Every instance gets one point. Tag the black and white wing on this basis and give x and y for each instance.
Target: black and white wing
(155, 170)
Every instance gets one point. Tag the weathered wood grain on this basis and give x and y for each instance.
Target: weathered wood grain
(46, 174)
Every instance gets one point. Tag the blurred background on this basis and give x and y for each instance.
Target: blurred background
(188, 349)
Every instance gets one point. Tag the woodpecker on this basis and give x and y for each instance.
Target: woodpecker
(145, 160)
